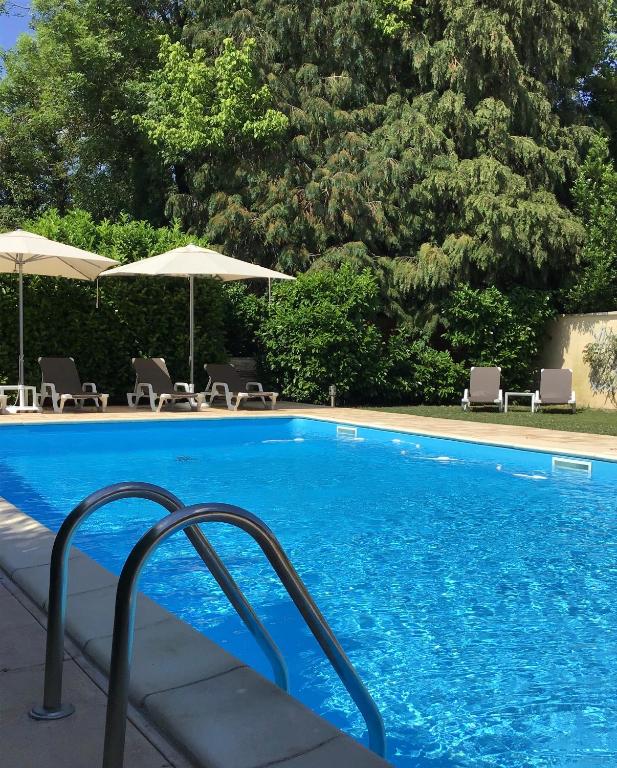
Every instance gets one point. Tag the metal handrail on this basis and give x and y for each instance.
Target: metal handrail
(124, 620)
(52, 707)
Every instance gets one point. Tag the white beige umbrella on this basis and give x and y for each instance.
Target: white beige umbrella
(192, 261)
(25, 253)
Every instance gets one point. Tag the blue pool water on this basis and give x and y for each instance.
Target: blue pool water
(473, 587)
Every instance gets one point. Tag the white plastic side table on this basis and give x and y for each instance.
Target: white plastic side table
(530, 395)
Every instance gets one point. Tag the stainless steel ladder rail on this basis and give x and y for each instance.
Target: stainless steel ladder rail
(124, 620)
(52, 707)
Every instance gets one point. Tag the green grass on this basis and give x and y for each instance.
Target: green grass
(584, 420)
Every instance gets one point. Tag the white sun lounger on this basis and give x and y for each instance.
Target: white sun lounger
(555, 388)
(484, 387)
(154, 383)
(61, 383)
(224, 381)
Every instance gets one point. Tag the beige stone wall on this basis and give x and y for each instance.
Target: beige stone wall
(567, 338)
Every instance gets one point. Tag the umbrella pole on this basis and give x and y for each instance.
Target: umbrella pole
(21, 405)
(192, 332)
(21, 375)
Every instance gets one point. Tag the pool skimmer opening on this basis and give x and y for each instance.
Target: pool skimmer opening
(571, 465)
(346, 432)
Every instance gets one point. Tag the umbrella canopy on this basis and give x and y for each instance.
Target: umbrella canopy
(194, 261)
(36, 255)
(25, 253)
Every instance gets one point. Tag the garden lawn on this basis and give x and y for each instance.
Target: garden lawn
(584, 420)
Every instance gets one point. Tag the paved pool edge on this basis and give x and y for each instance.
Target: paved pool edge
(220, 712)
(585, 445)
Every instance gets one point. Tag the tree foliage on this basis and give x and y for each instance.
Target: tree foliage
(194, 105)
(66, 134)
(594, 286)
(436, 141)
(601, 357)
(415, 372)
(600, 86)
(436, 153)
(320, 330)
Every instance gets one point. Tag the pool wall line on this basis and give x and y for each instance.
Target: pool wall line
(219, 711)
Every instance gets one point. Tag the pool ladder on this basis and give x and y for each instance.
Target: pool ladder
(187, 519)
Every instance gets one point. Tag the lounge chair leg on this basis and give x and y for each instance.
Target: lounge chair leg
(273, 402)
(103, 402)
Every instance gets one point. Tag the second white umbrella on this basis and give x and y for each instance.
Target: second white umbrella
(192, 261)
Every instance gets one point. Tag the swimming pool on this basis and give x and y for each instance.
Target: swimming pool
(472, 586)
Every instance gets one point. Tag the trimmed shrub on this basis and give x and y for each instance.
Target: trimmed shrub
(320, 330)
(418, 373)
(488, 327)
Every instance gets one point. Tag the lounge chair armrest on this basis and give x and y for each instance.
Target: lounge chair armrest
(219, 385)
(48, 390)
(182, 386)
(88, 386)
(255, 385)
(466, 394)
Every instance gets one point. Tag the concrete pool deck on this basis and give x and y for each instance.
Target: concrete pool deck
(77, 741)
(527, 438)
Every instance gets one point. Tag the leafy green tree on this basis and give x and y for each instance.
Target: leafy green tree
(600, 87)
(444, 140)
(392, 17)
(437, 141)
(66, 100)
(195, 105)
(593, 288)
